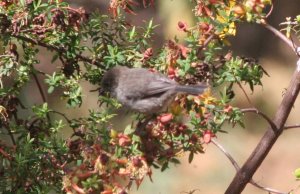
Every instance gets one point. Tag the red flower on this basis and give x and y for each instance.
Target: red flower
(171, 72)
(182, 26)
(207, 136)
(147, 54)
(228, 109)
(124, 140)
(165, 118)
(214, 1)
(184, 51)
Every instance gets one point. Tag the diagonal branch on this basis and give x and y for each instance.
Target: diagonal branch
(281, 36)
(244, 175)
(237, 168)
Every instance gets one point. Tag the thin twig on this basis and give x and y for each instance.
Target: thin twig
(243, 90)
(231, 159)
(10, 135)
(61, 114)
(39, 87)
(237, 168)
(270, 11)
(42, 93)
(207, 41)
(291, 126)
(255, 110)
(281, 36)
(5, 154)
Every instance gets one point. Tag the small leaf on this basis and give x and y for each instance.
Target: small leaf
(165, 166)
(175, 161)
(191, 156)
(50, 89)
(128, 130)
(132, 33)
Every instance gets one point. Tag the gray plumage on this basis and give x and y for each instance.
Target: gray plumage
(141, 90)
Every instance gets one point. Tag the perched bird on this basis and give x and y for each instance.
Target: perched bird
(144, 91)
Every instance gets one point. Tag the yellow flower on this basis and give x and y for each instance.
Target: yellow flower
(224, 19)
(207, 97)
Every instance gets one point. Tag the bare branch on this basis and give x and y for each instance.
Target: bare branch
(255, 110)
(291, 126)
(245, 174)
(243, 90)
(270, 11)
(281, 36)
(237, 168)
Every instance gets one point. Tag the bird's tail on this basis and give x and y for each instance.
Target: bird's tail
(191, 89)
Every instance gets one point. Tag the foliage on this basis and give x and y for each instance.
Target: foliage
(96, 157)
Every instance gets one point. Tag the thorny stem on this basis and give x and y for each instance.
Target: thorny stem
(237, 168)
(244, 175)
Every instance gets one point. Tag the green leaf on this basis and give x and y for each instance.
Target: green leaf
(175, 161)
(164, 166)
(41, 111)
(50, 89)
(23, 3)
(191, 156)
(136, 138)
(132, 33)
(128, 130)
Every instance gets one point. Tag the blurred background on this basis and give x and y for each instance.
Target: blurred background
(211, 173)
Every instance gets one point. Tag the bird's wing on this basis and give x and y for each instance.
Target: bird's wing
(159, 86)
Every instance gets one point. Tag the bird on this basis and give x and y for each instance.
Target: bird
(142, 90)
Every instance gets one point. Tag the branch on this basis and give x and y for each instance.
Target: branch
(61, 114)
(270, 11)
(41, 92)
(291, 126)
(11, 135)
(237, 168)
(254, 110)
(244, 175)
(5, 154)
(281, 36)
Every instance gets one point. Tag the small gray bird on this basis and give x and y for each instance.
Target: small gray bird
(142, 90)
